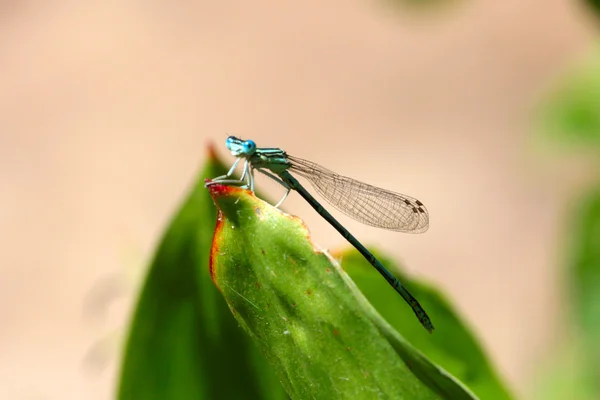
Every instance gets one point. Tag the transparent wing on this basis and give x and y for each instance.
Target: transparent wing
(365, 203)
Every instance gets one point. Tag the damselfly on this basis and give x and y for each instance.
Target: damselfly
(365, 203)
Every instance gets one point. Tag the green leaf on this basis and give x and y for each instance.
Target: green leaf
(564, 374)
(453, 346)
(571, 369)
(584, 272)
(421, 8)
(572, 112)
(307, 316)
(183, 342)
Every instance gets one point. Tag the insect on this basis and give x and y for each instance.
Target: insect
(365, 203)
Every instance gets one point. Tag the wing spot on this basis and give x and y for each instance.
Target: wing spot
(415, 210)
(418, 203)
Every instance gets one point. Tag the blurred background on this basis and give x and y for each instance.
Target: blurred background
(107, 109)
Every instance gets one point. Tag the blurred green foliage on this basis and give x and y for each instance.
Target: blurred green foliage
(584, 274)
(595, 5)
(571, 370)
(571, 115)
(421, 8)
(571, 118)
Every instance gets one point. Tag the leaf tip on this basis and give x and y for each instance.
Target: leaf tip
(218, 191)
(212, 150)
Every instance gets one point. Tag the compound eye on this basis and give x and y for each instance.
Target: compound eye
(249, 146)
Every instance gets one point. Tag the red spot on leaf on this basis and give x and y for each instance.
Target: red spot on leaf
(217, 189)
(308, 292)
(336, 332)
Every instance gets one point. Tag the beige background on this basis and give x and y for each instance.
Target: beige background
(106, 110)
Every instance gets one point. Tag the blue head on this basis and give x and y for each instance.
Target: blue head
(239, 147)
